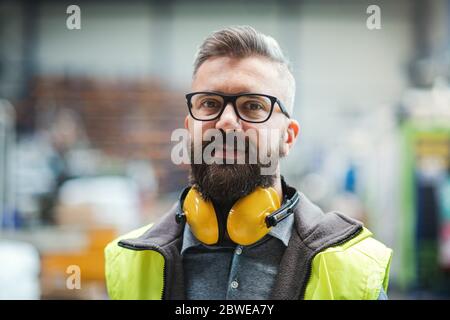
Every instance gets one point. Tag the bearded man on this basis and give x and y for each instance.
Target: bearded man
(239, 231)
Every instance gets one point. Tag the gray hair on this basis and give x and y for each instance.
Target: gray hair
(245, 41)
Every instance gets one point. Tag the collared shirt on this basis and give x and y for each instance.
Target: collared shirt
(234, 272)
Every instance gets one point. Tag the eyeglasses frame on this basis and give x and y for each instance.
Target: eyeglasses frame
(227, 98)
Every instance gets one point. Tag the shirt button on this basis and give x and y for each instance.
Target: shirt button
(238, 250)
(234, 284)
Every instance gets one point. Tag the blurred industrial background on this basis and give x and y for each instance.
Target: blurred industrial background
(86, 117)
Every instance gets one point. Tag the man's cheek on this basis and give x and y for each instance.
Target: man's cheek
(197, 131)
(283, 148)
(195, 141)
(270, 141)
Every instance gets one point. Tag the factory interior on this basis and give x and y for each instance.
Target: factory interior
(86, 117)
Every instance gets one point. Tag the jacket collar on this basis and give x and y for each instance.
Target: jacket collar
(160, 235)
(314, 232)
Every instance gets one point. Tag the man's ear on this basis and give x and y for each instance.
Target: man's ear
(292, 131)
(186, 122)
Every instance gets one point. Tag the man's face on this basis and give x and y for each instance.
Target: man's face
(253, 74)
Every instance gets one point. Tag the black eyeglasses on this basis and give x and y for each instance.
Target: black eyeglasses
(250, 107)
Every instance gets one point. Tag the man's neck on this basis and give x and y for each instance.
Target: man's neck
(278, 188)
(226, 204)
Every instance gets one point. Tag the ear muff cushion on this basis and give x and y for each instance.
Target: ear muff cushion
(246, 221)
(201, 217)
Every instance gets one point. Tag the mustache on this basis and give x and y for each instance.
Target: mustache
(233, 141)
(235, 147)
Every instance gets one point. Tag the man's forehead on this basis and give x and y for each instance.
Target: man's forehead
(236, 75)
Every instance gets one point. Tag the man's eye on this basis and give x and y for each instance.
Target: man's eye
(209, 104)
(254, 106)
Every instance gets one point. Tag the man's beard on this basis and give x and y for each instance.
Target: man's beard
(226, 183)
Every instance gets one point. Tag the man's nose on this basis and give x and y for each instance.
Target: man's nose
(228, 120)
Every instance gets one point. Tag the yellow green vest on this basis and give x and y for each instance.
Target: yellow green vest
(354, 270)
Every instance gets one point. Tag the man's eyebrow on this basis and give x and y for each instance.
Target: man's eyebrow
(225, 93)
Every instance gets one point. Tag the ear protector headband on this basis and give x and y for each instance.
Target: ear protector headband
(250, 218)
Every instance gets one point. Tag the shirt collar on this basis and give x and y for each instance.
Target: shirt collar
(282, 231)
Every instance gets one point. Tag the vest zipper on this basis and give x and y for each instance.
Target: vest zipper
(308, 273)
(154, 248)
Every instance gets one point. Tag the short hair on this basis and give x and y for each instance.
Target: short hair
(241, 42)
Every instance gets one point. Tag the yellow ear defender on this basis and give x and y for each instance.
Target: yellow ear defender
(250, 218)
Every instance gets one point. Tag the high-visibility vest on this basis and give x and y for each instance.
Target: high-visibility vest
(356, 270)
